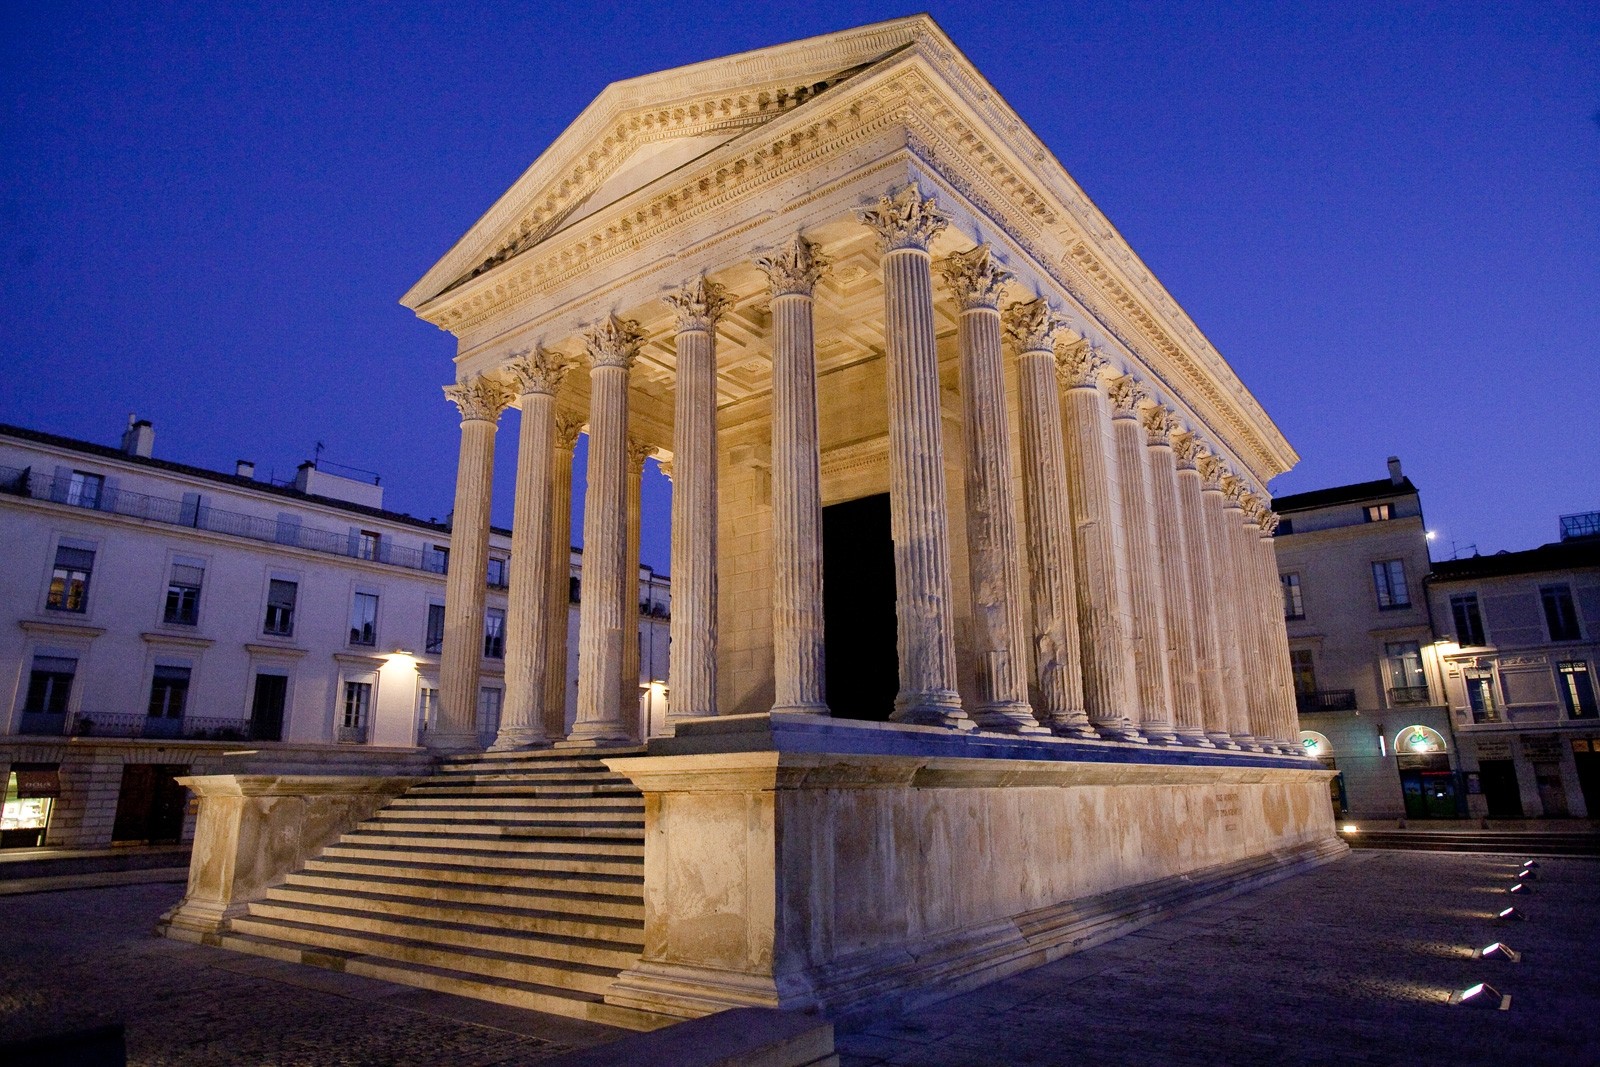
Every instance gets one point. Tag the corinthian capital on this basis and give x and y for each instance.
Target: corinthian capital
(1079, 366)
(1233, 489)
(568, 427)
(1159, 423)
(699, 304)
(1268, 521)
(538, 370)
(905, 219)
(1212, 469)
(1126, 396)
(481, 398)
(638, 452)
(795, 268)
(613, 343)
(1187, 450)
(976, 278)
(1033, 326)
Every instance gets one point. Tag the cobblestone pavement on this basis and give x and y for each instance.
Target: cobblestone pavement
(1351, 963)
(80, 958)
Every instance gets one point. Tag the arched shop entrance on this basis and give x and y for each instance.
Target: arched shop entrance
(1427, 781)
(1319, 748)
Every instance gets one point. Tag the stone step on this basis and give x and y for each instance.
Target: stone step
(430, 790)
(538, 757)
(559, 807)
(568, 1003)
(518, 967)
(530, 824)
(617, 901)
(513, 913)
(569, 845)
(628, 882)
(523, 783)
(488, 859)
(560, 948)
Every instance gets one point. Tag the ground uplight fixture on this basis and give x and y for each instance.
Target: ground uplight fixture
(1349, 828)
(1481, 996)
(1529, 865)
(1527, 873)
(1512, 915)
(1520, 887)
(1498, 951)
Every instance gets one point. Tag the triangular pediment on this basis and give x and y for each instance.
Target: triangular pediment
(639, 130)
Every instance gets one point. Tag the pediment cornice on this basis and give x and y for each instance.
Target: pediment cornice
(961, 130)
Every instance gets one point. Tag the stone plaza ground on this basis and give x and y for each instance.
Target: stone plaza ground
(1349, 964)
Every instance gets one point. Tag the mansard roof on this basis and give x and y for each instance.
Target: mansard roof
(1378, 489)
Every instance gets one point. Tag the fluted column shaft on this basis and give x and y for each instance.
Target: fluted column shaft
(1259, 677)
(1057, 651)
(1151, 651)
(1175, 562)
(628, 676)
(1202, 594)
(558, 589)
(1109, 693)
(1220, 526)
(995, 565)
(538, 374)
(692, 654)
(602, 629)
(466, 584)
(1285, 728)
(918, 513)
(797, 621)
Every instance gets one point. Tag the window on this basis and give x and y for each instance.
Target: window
(183, 594)
(1480, 694)
(1293, 606)
(50, 684)
(169, 692)
(574, 590)
(1379, 512)
(1389, 579)
(84, 489)
(427, 709)
(69, 581)
(434, 639)
(438, 559)
(364, 619)
(1469, 621)
(1407, 683)
(1577, 690)
(367, 544)
(353, 714)
(488, 714)
(1559, 613)
(280, 607)
(494, 633)
(1304, 670)
(498, 572)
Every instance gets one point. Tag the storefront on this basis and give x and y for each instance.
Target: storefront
(31, 792)
(1319, 748)
(1427, 781)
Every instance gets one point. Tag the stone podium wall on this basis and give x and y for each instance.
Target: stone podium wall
(820, 880)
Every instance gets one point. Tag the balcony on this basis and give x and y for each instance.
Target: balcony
(133, 724)
(350, 735)
(1326, 700)
(43, 724)
(1401, 696)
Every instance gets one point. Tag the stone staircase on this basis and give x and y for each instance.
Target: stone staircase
(516, 877)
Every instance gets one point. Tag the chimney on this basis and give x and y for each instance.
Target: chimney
(139, 439)
(244, 468)
(1395, 477)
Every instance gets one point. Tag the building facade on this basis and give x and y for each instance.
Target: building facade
(167, 619)
(1353, 564)
(1519, 644)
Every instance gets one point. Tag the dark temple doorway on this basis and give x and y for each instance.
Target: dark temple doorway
(863, 666)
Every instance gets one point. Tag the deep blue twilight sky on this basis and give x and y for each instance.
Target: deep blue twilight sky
(1386, 217)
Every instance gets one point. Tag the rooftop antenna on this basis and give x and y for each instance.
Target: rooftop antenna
(316, 453)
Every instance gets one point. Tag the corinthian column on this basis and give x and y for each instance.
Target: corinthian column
(537, 375)
(1286, 717)
(628, 679)
(995, 568)
(1220, 526)
(480, 401)
(1146, 594)
(558, 589)
(1266, 676)
(692, 651)
(1056, 648)
(797, 642)
(1109, 692)
(1175, 561)
(602, 629)
(906, 225)
(1203, 592)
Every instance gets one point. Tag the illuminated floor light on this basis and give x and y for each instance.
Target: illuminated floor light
(1520, 887)
(1512, 915)
(1481, 996)
(1349, 828)
(1498, 951)
(1527, 875)
(1528, 865)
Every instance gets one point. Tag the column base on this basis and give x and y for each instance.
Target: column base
(1076, 728)
(1223, 741)
(595, 742)
(1194, 739)
(803, 709)
(1010, 717)
(1248, 743)
(514, 739)
(940, 707)
(1121, 730)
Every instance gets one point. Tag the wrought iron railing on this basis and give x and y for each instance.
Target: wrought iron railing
(1326, 700)
(133, 724)
(1403, 695)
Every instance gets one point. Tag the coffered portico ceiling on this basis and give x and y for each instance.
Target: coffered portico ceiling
(700, 168)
